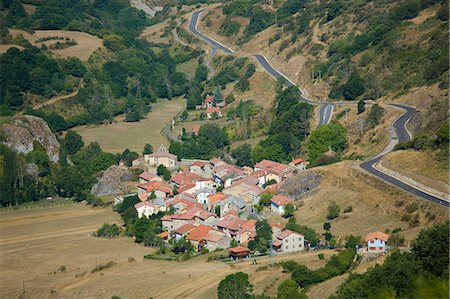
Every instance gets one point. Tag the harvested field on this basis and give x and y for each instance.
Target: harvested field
(118, 136)
(61, 236)
(86, 43)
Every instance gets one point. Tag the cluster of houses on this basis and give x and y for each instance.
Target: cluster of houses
(206, 217)
(213, 109)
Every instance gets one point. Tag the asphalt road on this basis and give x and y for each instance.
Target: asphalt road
(325, 114)
(326, 111)
(193, 28)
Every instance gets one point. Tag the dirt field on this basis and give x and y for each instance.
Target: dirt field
(86, 43)
(61, 236)
(117, 137)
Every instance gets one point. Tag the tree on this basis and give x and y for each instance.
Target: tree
(265, 198)
(184, 116)
(374, 116)
(361, 106)
(289, 210)
(243, 155)
(263, 235)
(215, 134)
(148, 149)
(431, 249)
(233, 243)
(73, 142)
(327, 226)
(328, 136)
(354, 87)
(235, 286)
(333, 211)
(164, 172)
(288, 289)
(108, 230)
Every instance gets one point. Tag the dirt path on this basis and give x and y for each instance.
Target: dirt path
(58, 97)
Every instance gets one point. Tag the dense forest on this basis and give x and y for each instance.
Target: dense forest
(127, 80)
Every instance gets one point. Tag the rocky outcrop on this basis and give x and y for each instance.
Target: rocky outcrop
(111, 181)
(298, 186)
(20, 133)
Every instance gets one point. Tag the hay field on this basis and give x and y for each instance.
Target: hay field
(5, 48)
(61, 236)
(118, 136)
(86, 43)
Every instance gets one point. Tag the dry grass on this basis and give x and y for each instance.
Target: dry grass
(58, 237)
(372, 141)
(4, 48)
(29, 8)
(373, 203)
(188, 68)
(421, 166)
(154, 33)
(119, 136)
(86, 43)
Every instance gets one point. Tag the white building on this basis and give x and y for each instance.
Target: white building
(146, 209)
(376, 242)
(278, 202)
(289, 241)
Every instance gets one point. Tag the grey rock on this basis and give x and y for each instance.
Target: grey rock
(111, 181)
(20, 133)
(302, 183)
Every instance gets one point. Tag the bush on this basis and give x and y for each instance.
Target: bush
(321, 256)
(374, 116)
(108, 231)
(412, 207)
(333, 211)
(348, 209)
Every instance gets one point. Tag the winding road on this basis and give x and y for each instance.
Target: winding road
(326, 111)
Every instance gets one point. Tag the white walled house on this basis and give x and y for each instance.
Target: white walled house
(146, 209)
(289, 241)
(278, 202)
(376, 242)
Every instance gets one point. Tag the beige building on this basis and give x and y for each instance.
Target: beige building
(161, 157)
(289, 241)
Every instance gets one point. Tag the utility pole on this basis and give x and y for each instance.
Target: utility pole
(23, 286)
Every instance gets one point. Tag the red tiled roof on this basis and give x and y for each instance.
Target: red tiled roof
(147, 176)
(163, 234)
(195, 129)
(155, 185)
(212, 109)
(214, 236)
(286, 233)
(297, 161)
(232, 213)
(239, 249)
(231, 222)
(184, 229)
(199, 163)
(209, 99)
(185, 177)
(200, 213)
(277, 243)
(199, 233)
(277, 225)
(281, 200)
(185, 187)
(272, 166)
(143, 196)
(163, 154)
(144, 203)
(217, 197)
(221, 104)
(377, 235)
